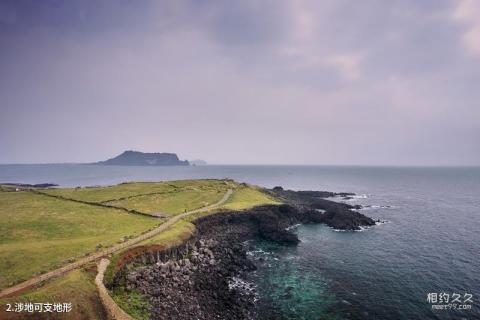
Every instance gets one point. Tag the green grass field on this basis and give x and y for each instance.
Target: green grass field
(168, 198)
(133, 189)
(248, 196)
(39, 233)
(171, 203)
(76, 287)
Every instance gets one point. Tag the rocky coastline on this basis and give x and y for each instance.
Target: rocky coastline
(200, 279)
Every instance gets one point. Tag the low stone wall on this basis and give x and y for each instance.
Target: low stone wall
(113, 310)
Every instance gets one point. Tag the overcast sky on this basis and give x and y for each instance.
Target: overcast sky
(268, 82)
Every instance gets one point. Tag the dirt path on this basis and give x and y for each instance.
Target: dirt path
(69, 267)
(113, 310)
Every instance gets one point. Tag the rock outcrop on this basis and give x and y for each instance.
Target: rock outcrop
(196, 286)
(334, 214)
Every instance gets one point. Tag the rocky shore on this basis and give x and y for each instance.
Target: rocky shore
(201, 280)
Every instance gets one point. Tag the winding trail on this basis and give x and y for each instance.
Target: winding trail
(112, 308)
(81, 262)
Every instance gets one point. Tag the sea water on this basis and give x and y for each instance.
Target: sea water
(429, 246)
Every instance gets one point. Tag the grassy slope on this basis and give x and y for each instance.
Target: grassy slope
(46, 232)
(248, 196)
(173, 236)
(76, 287)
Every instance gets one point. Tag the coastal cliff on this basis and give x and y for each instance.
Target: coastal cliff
(201, 279)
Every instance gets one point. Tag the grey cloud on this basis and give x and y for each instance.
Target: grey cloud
(366, 82)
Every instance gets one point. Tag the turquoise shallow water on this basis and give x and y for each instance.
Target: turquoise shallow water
(431, 243)
(285, 288)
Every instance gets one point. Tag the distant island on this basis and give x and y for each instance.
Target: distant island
(137, 158)
(198, 162)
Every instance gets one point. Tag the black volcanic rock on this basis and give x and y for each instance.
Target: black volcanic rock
(136, 158)
(334, 214)
(28, 185)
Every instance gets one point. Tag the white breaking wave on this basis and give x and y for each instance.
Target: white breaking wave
(292, 227)
(363, 228)
(254, 253)
(245, 287)
(374, 207)
(358, 196)
(352, 197)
